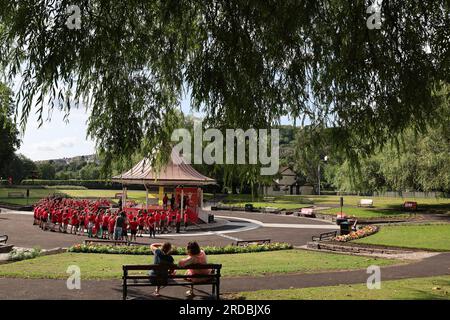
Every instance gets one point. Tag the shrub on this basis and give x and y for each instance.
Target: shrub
(90, 184)
(18, 255)
(145, 250)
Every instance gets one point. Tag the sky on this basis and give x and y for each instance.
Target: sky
(56, 139)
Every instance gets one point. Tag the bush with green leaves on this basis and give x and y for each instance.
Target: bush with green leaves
(19, 254)
(145, 250)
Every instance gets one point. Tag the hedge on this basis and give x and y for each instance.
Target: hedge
(145, 250)
(90, 184)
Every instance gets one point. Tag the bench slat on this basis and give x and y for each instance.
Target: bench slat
(173, 267)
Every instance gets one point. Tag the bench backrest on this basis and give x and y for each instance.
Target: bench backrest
(158, 267)
(410, 204)
(328, 234)
(104, 241)
(307, 211)
(16, 194)
(247, 242)
(366, 201)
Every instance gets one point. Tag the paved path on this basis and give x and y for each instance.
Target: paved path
(111, 289)
(243, 226)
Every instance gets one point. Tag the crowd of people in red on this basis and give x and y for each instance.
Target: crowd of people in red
(98, 219)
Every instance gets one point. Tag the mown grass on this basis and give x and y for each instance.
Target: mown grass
(37, 194)
(431, 288)
(109, 266)
(429, 236)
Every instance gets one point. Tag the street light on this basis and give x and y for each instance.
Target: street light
(324, 159)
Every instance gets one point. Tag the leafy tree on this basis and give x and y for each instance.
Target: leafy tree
(46, 171)
(245, 63)
(9, 141)
(421, 162)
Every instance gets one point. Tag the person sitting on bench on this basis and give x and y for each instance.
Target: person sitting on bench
(161, 252)
(195, 256)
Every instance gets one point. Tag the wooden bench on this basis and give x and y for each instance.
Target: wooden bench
(410, 205)
(243, 243)
(3, 238)
(106, 241)
(325, 236)
(269, 199)
(271, 210)
(365, 203)
(16, 195)
(306, 212)
(118, 196)
(172, 279)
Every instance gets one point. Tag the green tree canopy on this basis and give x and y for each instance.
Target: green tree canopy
(9, 141)
(245, 64)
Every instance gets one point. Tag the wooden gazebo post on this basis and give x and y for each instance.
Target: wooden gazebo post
(146, 196)
(182, 203)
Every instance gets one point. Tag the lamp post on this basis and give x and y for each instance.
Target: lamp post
(324, 159)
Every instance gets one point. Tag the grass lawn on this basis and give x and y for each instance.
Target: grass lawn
(367, 212)
(409, 289)
(37, 194)
(109, 266)
(279, 204)
(383, 206)
(432, 236)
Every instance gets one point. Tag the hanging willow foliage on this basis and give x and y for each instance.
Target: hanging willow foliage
(245, 63)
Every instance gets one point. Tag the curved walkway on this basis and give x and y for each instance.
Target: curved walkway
(111, 289)
(240, 226)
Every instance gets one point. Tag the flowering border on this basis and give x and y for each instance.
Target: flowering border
(145, 250)
(361, 233)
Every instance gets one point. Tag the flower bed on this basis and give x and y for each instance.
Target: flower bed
(361, 233)
(145, 250)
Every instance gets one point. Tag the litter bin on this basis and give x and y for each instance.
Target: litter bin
(248, 207)
(345, 228)
(210, 218)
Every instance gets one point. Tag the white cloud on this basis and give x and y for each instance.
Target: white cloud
(58, 144)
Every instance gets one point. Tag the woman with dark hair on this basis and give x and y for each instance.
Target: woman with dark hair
(161, 251)
(195, 256)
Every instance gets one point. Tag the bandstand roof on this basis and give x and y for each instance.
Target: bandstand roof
(176, 172)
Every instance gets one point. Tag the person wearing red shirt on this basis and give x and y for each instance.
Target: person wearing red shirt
(163, 222)
(111, 224)
(157, 217)
(91, 224)
(75, 223)
(65, 220)
(54, 220)
(178, 221)
(105, 223)
(82, 224)
(36, 215)
(59, 220)
(133, 228)
(141, 223)
(151, 225)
